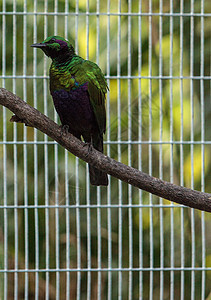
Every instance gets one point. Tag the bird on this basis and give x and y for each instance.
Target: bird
(78, 88)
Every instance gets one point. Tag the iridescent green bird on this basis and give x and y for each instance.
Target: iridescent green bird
(79, 89)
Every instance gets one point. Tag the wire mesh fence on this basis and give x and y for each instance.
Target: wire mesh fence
(60, 237)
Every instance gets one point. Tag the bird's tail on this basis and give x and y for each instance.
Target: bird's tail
(97, 177)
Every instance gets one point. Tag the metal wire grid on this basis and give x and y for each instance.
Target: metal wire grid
(110, 269)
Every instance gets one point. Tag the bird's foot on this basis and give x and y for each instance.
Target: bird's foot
(90, 147)
(64, 129)
(16, 119)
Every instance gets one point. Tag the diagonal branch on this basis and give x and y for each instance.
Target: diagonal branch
(32, 117)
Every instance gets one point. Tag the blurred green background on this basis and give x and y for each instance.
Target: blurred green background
(181, 119)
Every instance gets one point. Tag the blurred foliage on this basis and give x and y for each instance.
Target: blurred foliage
(139, 102)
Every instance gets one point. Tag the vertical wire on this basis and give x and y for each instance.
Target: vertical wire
(99, 246)
(119, 152)
(36, 163)
(108, 153)
(161, 148)
(140, 151)
(76, 25)
(182, 260)
(87, 29)
(67, 189)
(192, 149)
(89, 261)
(4, 152)
(66, 19)
(56, 179)
(109, 237)
(98, 31)
(26, 230)
(108, 145)
(88, 188)
(89, 256)
(171, 153)
(130, 286)
(88, 193)
(78, 230)
(15, 158)
(77, 191)
(78, 233)
(202, 150)
(150, 149)
(108, 148)
(45, 89)
(87, 57)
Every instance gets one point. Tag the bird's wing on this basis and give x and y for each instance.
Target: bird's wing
(97, 88)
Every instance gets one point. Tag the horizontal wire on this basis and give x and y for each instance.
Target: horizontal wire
(112, 142)
(105, 269)
(84, 206)
(112, 77)
(134, 14)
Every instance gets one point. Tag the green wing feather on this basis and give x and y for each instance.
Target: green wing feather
(88, 71)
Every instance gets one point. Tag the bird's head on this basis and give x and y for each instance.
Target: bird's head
(55, 46)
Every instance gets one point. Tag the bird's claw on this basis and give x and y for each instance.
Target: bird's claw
(90, 147)
(64, 129)
(16, 119)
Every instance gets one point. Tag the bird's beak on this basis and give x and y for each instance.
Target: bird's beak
(39, 45)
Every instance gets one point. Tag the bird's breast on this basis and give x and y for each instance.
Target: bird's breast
(62, 79)
(74, 108)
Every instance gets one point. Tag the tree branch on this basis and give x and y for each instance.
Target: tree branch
(32, 117)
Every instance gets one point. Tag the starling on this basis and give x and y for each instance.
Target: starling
(78, 89)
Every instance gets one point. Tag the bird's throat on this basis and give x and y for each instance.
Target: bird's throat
(63, 59)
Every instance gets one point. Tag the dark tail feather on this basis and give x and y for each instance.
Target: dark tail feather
(97, 177)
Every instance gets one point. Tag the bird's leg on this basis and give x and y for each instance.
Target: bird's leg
(64, 129)
(16, 119)
(90, 145)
